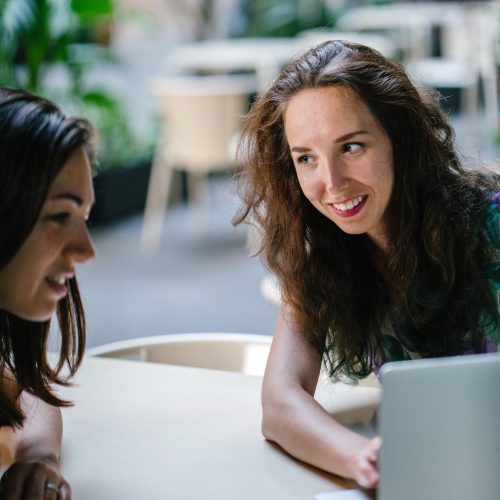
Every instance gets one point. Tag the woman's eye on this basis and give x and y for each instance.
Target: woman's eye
(304, 160)
(60, 218)
(352, 147)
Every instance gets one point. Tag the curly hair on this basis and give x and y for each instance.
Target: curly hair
(35, 143)
(434, 221)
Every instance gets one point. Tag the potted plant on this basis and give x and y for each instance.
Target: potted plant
(37, 34)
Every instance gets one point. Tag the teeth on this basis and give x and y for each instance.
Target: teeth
(349, 205)
(59, 279)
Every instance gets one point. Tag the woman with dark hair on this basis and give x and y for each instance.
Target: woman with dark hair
(384, 246)
(45, 197)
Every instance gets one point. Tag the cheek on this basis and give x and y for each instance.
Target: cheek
(388, 182)
(51, 240)
(309, 186)
(40, 249)
(50, 234)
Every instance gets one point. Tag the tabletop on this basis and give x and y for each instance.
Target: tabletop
(232, 53)
(151, 431)
(266, 56)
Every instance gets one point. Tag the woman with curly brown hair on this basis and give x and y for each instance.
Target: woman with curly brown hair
(45, 197)
(384, 246)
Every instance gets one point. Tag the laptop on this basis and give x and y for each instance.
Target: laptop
(440, 424)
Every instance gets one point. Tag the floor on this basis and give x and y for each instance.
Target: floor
(202, 278)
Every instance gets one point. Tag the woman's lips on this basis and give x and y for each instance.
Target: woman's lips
(59, 288)
(350, 207)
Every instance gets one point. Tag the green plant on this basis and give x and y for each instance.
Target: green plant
(284, 17)
(36, 34)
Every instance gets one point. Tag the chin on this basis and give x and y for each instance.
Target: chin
(39, 318)
(36, 316)
(352, 230)
(43, 316)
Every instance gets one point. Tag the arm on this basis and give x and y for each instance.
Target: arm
(293, 419)
(35, 452)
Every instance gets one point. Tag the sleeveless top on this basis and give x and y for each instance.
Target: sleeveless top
(393, 349)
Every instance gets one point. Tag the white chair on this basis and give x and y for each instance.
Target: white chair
(409, 24)
(234, 352)
(485, 28)
(456, 67)
(200, 119)
(467, 34)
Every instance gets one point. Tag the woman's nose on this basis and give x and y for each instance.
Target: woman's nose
(335, 178)
(81, 248)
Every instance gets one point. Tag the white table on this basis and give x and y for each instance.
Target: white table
(264, 56)
(411, 21)
(148, 431)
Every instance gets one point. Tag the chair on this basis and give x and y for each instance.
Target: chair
(409, 24)
(463, 57)
(200, 118)
(234, 352)
(456, 66)
(485, 22)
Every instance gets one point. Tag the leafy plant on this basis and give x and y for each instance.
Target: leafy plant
(35, 34)
(284, 17)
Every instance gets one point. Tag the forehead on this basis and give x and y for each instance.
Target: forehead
(75, 177)
(338, 94)
(335, 107)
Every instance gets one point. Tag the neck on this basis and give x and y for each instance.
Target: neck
(381, 241)
(379, 254)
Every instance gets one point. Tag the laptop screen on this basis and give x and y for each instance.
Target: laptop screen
(440, 425)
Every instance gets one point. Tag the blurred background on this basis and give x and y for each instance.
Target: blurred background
(166, 82)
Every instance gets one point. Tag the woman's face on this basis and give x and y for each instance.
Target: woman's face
(35, 279)
(343, 159)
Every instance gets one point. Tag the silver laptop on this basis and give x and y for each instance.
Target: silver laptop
(440, 425)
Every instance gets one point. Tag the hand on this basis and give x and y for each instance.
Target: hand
(34, 481)
(365, 464)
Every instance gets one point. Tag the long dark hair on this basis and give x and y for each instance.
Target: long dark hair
(36, 139)
(436, 260)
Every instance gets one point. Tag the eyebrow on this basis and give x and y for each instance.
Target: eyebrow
(342, 138)
(69, 196)
(350, 135)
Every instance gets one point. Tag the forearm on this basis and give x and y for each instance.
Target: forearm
(40, 437)
(293, 419)
(34, 454)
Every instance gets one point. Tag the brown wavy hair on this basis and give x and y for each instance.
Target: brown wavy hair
(434, 221)
(36, 140)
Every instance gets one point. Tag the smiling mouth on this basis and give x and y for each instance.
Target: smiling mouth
(59, 283)
(58, 279)
(348, 205)
(349, 208)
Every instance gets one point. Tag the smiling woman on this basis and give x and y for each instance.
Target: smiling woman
(35, 279)
(384, 246)
(46, 194)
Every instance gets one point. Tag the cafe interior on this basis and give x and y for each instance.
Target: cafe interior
(180, 308)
